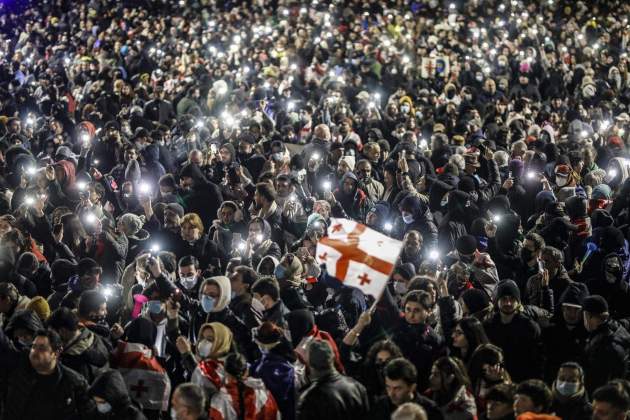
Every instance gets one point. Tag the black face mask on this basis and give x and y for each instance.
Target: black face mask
(526, 255)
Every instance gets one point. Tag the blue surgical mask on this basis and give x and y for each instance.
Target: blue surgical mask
(280, 272)
(407, 218)
(567, 389)
(155, 306)
(207, 303)
(104, 408)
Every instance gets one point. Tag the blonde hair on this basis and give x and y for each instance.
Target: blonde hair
(409, 411)
(194, 220)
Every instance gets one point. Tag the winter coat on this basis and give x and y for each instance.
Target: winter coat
(562, 344)
(421, 345)
(574, 408)
(383, 408)
(606, 355)
(85, 354)
(278, 373)
(422, 222)
(204, 198)
(461, 407)
(204, 249)
(333, 397)
(59, 396)
(111, 386)
(520, 342)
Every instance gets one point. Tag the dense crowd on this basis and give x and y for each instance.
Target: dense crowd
(167, 169)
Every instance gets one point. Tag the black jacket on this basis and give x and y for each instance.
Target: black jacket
(520, 342)
(383, 408)
(334, 397)
(61, 395)
(575, 408)
(606, 355)
(111, 386)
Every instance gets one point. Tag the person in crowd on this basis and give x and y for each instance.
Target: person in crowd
(450, 388)
(569, 394)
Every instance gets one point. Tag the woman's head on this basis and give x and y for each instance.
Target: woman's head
(469, 334)
(486, 357)
(192, 227)
(215, 340)
(448, 375)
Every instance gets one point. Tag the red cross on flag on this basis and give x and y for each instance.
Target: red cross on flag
(358, 256)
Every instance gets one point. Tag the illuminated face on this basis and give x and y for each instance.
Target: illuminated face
(190, 233)
(415, 313)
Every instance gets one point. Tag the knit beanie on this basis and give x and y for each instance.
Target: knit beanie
(476, 300)
(132, 223)
(508, 288)
(39, 305)
(466, 245)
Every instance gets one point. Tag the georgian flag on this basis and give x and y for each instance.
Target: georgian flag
(147, 381)
(358, 256)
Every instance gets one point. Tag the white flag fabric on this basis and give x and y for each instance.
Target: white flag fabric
(358, 256)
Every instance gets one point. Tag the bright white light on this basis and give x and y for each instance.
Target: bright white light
(221, 90)
(241, 246)
(30, 121)
(612, 173)
(199, 124)
(259, 237)
(29, 201)
(388, 226)
(496, 218)
(155, 248)
(433, 254)
(584, 133)
(144, 188)
(315, 156)
(290, 106)
(31, 170)
(531, 175)
(327, 185)
(405, 59)
(85, 137)
(81, 185)
(90, 218)
(107, 291)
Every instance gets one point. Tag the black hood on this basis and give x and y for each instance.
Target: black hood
(24, 319)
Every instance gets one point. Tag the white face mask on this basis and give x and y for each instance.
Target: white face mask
(204, 348)
(561, 181)
(188, 282)
(407, 218)
(400, 287)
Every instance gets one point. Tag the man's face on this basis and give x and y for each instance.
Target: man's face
(236, 281)
(571, 314)
(186, 182)
(181, 410)
(284, 188)
(42, 357)
(16, 127)
(171, 219)
(507, 305)
(415, 313)
(398, 391)
(187, 271)
(523, 403)
(603, 410)
(364, 170)
(412, 244)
